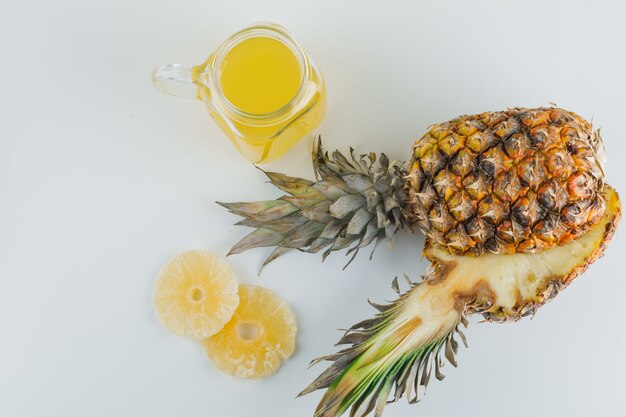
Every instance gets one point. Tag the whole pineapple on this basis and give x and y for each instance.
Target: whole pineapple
(513, 204)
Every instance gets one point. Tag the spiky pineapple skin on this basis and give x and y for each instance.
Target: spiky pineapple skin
(520, 180)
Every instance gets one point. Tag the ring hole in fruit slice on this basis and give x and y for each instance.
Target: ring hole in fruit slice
(233, 350)
(197, 294)
(247, 331)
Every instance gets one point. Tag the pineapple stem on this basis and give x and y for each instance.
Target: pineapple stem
(399, 348)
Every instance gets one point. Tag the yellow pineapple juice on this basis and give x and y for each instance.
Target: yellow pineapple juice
(260, 87)
(260, 76)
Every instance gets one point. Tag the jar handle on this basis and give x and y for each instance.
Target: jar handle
(176, 80)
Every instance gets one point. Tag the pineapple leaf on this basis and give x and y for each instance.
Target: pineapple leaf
(292, 185)
(277, 252)
(261, 210)
(346, 205)
(258, 238)
(359, 221)
(386, 354)
(355, 203)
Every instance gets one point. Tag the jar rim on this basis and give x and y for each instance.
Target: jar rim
(269, 30)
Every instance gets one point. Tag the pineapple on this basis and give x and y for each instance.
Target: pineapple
(513, 204)
(195, 294)
(257, 339)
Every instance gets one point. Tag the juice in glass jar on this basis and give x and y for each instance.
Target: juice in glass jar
(260, 87)
(260, 75)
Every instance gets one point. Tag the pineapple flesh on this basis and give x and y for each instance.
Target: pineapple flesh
(260, 335)
(514, 206)
(195, 294)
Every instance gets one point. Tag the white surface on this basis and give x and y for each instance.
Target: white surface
(103, 179)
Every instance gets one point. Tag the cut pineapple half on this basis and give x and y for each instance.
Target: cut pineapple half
(258, 338)
(510, 287)
(195, 294)
(404, 344)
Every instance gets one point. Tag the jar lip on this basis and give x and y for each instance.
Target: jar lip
(263, 29)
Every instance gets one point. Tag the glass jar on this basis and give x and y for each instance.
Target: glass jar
(258, 111)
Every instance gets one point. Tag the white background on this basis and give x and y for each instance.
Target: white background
(103, 179)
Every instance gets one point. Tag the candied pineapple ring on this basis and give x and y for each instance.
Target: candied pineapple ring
(195, 294)
(258, 338)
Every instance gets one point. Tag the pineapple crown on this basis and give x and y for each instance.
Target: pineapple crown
(355, 201)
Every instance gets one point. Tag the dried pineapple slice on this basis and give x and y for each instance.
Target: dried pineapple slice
(258, 338)
(195, 294)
